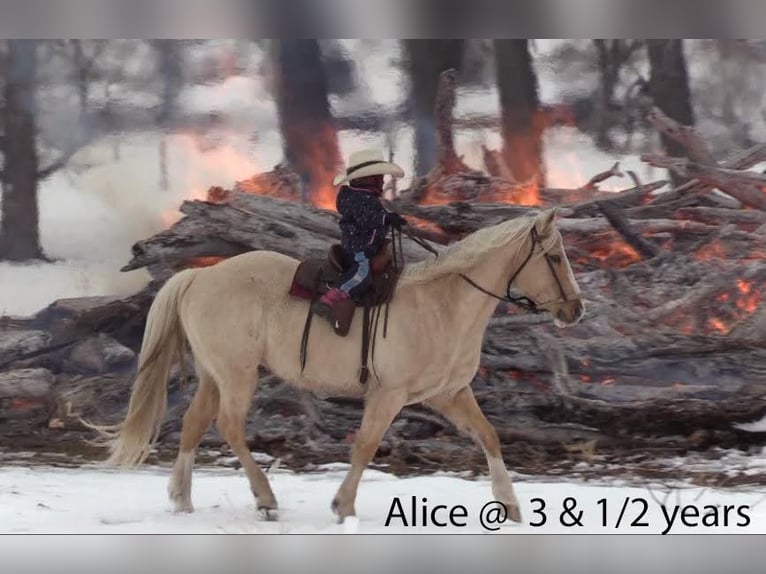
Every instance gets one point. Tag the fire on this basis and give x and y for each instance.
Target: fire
(714, 250)
(717, 324)
(526, 194)
(750, 298)
(424, 224)
(619, 250)
(734, 306)
(219, 161)
(317, 162)
(205, 261)
(566, 172)
(616, 253)
(207, 163)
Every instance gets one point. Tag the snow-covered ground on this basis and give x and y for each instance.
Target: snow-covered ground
(54, 500)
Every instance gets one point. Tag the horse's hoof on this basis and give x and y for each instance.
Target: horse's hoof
(514, 512)
(268, 514)
(340, 516)
(181, 506)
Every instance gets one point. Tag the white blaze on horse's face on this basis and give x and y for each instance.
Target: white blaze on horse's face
(547, 277)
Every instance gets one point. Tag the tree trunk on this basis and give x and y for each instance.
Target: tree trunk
(522, 126)
(81, 65)
(19, 226)
(609, 54)
(171, 69)
(309, 135)
(426, 60)
(669, 88)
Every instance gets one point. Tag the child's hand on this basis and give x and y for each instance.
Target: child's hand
(396, 220)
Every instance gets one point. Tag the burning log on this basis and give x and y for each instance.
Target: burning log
(624, 199)
(624, 228)
(235, 223)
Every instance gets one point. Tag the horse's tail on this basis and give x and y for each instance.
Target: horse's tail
(164, 340)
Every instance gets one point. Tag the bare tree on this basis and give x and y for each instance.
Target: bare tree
(310, 139)
(669, 88)
(522, 122)
(170, 56)
(19, 226)
(170, 59)
(612, 55)
(425, 61)
(23, 164)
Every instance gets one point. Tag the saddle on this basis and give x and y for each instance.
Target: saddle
(314, 277)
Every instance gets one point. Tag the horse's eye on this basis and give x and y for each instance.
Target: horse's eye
(556, 258)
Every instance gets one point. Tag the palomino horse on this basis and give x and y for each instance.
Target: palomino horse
(237, 316)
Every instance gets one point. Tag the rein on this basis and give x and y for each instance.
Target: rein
(523, 302)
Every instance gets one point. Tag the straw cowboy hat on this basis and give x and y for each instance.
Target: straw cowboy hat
(367, 162)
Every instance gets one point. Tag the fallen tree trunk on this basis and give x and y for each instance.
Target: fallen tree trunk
(243, 222)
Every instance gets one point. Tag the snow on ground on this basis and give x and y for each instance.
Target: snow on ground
(54, 500)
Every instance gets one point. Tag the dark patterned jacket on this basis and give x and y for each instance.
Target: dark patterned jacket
(364, 222)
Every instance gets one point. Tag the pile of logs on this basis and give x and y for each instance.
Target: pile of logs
(671, 352)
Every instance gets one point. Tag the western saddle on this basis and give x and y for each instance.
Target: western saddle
(316, 276)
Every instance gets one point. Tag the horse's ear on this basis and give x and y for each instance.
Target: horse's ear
(546, 220)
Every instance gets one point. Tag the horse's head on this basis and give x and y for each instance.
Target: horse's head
(546, 278)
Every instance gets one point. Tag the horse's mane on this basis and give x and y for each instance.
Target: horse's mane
(464, 254)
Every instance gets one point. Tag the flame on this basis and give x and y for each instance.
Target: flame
(317, 161)
(566, 172)
(617, 249)
(616, 253)
(717, 324)
(714, 250)
(216, 162)
(205, 261)
(734, 306)
(750, 298)
(207, 162)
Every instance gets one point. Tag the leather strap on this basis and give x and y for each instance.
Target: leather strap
(309, 317)
(364, 374)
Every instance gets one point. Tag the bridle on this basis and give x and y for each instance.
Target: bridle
(525, 302)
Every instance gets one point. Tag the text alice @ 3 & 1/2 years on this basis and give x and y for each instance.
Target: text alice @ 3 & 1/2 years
(418, 513)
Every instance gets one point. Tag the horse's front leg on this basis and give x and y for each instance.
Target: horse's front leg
(381, 407)
(464, 412)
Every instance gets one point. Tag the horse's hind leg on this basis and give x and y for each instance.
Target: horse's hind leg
(464, 412)
(196, 421)
(235, 404)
